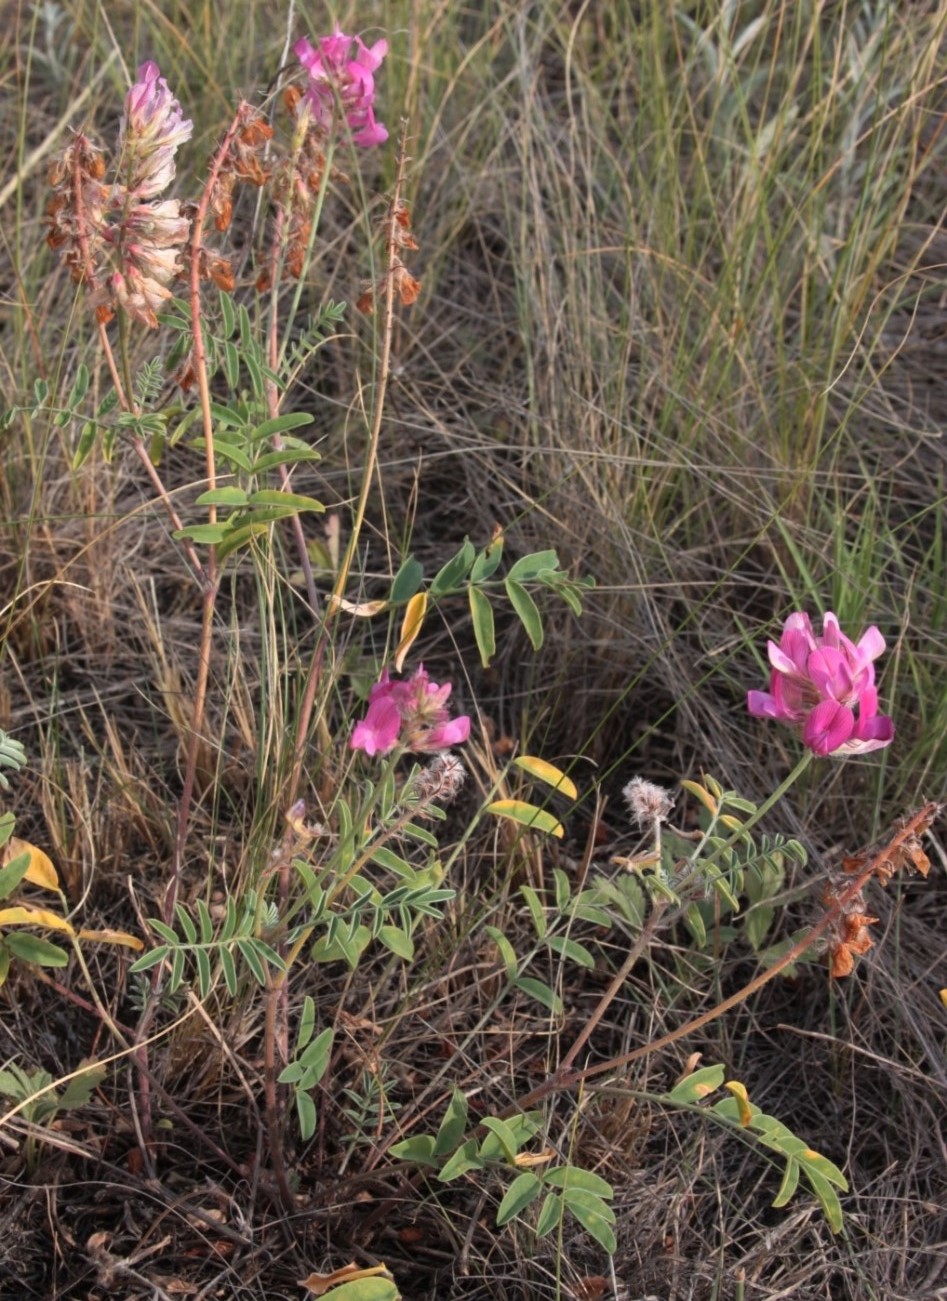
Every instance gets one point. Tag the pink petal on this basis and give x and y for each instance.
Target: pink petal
(442, 737)
(829, 673)
(377, 732)
(871, 644)
(762, 705)
(780, 656)
(870, 734)
(828, 727)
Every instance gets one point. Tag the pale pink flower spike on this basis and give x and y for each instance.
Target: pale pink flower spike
(825, 687)
(153, 127)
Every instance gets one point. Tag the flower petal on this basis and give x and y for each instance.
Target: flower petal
(828, 727)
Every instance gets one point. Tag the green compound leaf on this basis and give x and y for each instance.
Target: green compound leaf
(464, 1159)
(539, 990)
(594, 1215)
(507, 952)
(789, 1184)
(279, 424)
(223, 497)
(550, 1215)
(364, 1289)
(571, 949)
(398, 941)
(536, 910)
(306, 1114)
(524, 1189)
(528, 612)
(407, 581)
(481, 612)
(453, 1125)
(698, 1084)
(530, 567)
(570, 1176)
(419, 1151)
(30, 948)
(209, 533)
(504, 1136)
(455, 571)
(487, 562)
(828, 1199)
(285, 500)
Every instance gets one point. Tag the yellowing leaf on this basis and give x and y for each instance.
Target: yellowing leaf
(697, 1084)
(40, 871)
(414, 614)
(364, 609)
(743, 1099)
(527, 815)
(113, 937)
(548, 773)
(730, 821)
(319, 1284)
(637, 862)
(705, 797)
(943, 997)
(525, 1160)
(20, 916)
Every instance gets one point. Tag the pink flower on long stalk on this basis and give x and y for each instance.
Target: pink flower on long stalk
(338, 77)
(825, 687)
(413, 713)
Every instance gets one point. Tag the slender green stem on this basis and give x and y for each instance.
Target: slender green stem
(368, 473)
(700, 864)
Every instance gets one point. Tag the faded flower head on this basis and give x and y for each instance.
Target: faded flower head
(124, 249)
(825, 687)
(648, 802)
(412, 713)
(341, 70)
(153, 127)
(441, 780)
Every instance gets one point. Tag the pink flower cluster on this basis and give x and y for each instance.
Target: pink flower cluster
(153, 127)
(116, 240)
(337, 77)
(412, 713)
(825, 687)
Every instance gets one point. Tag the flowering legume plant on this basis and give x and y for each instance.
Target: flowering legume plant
(370, 871)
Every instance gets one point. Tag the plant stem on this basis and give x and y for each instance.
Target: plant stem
(368, 474)
(561, 1080)
(750, 823)
(209, 600)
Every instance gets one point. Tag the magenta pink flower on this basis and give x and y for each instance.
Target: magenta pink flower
(825, 687)
(335, 77)
(412, 713)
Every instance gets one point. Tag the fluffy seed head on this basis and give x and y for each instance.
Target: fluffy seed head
(648, 802)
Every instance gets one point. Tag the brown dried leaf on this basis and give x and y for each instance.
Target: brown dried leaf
(320, 1284)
